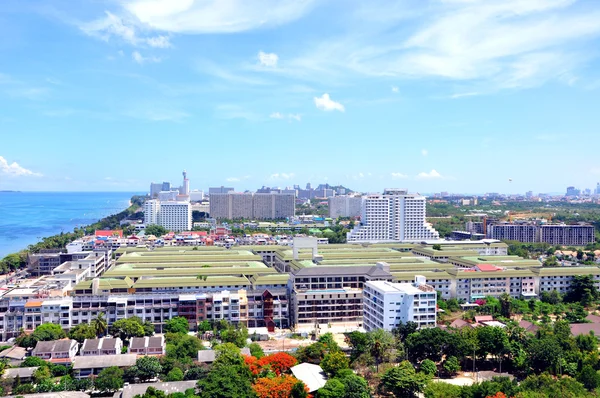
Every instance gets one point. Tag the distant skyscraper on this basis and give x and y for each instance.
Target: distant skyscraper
(174, 216)
(395, 215)
(345, 206)
(185, 188)
(529, 194)
(220, 189)
(597, 191)
(155, 188)
(571, 191)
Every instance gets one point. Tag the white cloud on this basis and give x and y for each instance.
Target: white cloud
(549, 137)
(424, 152)
(140, 59)
(15, 170)
(325, 103)
(268, 59)
(395, 89)
(281, 176)
(431, 175)
(290, 116)
(159, 42)
(232, 179)
(398, 176)
(462, 95)
(226, 16)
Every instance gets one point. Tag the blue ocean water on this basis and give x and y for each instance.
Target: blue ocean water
(26, 217)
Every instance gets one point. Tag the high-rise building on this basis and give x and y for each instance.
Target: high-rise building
(387, 304)
(572, 191)
(394, 215)
(174, 216)
(519, 232)
(220, 189)
(156, 188)
(185, 188)
(248, 205)
(597, 191)
(345, 206)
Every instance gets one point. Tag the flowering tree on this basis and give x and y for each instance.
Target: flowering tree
(279, 363)
(276, 387)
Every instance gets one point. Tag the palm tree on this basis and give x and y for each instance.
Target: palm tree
(99, 324)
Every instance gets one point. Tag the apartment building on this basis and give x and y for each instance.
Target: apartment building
(248, 205)
(567, 235)
(520, 232)
(387, 304)
(345, 206)
(393, 216)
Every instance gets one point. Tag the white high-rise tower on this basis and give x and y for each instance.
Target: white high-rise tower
(393, 216)
(185, 188)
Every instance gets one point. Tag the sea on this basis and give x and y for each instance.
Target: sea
(27, 217)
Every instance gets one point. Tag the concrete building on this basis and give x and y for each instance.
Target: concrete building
(248, 205)
(519, 232)
(386, 304)
(56, 351)
(567, 235)
(196, 196)
(393, 216)
(101, 346)
(155, 188)
(220, 189)
(345, 206)
(174, 216)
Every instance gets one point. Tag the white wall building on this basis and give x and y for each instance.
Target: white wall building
(174, 216)
(345, 206)
(385, 304)
(394, 215)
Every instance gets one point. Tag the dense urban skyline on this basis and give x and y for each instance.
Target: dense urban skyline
(434, 96)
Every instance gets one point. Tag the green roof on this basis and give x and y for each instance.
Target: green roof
(210, 281)
(106, 284)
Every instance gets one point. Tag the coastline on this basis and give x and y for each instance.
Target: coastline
(17, 258)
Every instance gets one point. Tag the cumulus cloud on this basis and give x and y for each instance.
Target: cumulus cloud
(276, 115)
(232, 179)
(140, 59)
(325, 103)
(395, 89)
(268, 59)
(433, 174)
(15, 170)
(398, 176)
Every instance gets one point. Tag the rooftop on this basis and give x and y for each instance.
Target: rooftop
(104, 361)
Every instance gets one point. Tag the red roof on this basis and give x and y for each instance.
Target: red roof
(110, 233)
(487, 267)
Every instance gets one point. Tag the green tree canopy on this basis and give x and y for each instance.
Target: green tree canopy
(403, 381)
(177, 324)
(81, 332)
(334, 361)
(109, 379)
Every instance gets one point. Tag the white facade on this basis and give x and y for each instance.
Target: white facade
(174, 216)
(394, 215)
(197, 196)
(345, 206)
(151, 210)
(386, 304)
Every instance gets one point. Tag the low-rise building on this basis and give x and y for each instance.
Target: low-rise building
(92, 365)
(56, 351)
(101, 346)
(154, 345)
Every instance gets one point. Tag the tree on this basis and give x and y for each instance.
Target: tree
(177, 325)
(109, 379)
(589, 377)
(354, 385)
(582, 290)
(334, 362)
(275, 387)
(256, 350)
(442, 390)
(127, 328)
(312, 353)
(48, 332)
(437, 247)
(156, 230)
(403, 330)
(30, 362)
(82, 332)
(544, 354)
(184, 347)
(100, 325)
(145, 368)
(430, 343)
(492, 340)
(280, 362)
(237, 336)
(204, 326)
(227, 381)
(41, 374)
(334, 388)
(428, 367)
(299, 390)
(403, 381)
(175, 374)
(505, 305)
(451, 366)
(329, 342)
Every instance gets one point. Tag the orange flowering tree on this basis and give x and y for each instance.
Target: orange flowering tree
(499, 394)
(275, 387)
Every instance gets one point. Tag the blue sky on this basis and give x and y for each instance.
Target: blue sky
(431, 95)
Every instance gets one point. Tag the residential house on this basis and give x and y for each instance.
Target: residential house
(56, 351)
(147, 345)
(92, 365)
(102, 346)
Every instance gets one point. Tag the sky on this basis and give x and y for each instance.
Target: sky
(428, 95)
